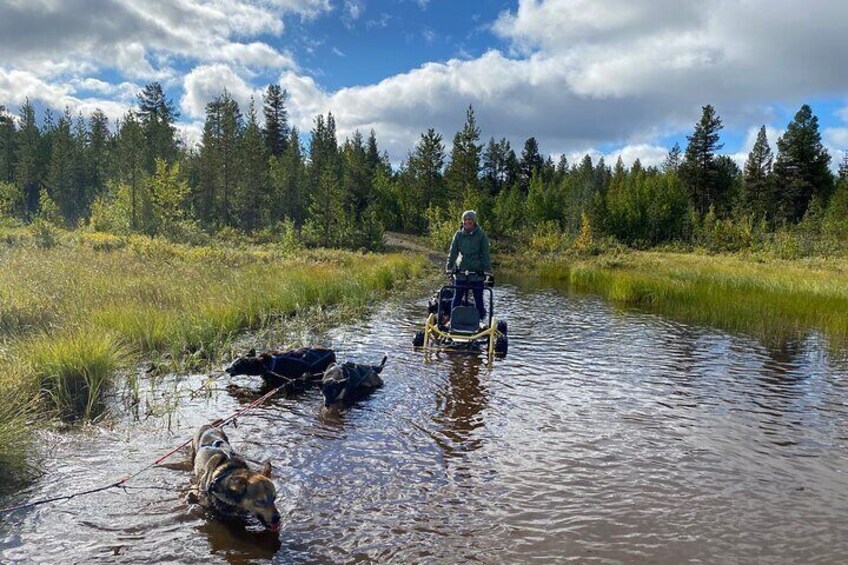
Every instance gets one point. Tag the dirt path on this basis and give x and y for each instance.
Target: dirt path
(400, 241)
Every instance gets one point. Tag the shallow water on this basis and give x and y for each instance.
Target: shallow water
(605, 436)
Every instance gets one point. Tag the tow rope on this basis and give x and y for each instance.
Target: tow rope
(126, 478)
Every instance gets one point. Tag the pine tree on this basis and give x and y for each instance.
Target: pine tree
(495, 165)
(531, 163)
(356, 177)
(672, 161)
(463, 170)
(801, 168)
(157, 116)
(327, 223)
(323, 151)
(98, 153)
(423, 179)
(288, 177)
(758, 184)
(63, 173)
(7, 146)
(130, 164)
(698, 170)
(253, 182)
(843, 167)
(29, 160)
(373, 157)
(276, 130)
(219, 162)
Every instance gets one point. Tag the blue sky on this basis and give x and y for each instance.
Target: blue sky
(604, 77)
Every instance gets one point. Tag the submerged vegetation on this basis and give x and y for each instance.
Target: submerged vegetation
(79, 312)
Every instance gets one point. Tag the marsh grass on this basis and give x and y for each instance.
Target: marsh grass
(74, 313)
(75, 368)
(772, 299)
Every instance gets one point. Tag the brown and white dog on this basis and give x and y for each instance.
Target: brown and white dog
(226, 483)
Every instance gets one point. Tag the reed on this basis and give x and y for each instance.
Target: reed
(74, 369)
(772, 299)
(74, 313)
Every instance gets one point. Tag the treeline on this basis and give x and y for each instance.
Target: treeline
(261, 178)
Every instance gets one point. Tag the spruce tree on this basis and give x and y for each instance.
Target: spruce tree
(288, 176)
(672, 161)
(130, 164)
(7, 146)
(801, 168)
(253, 181)
(276, 130)
(98, 160)
(495, 167)
(758, 184)
(424, 180)
(157, 116)
(29, 160)
(531, 163)
(356, 177)
(62, 174)
(698, 170)
(462, 173)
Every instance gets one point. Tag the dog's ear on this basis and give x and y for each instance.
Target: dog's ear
(266, 469)
(237, 486)
(251, 353)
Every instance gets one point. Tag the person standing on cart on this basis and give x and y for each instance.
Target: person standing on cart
(471, 246)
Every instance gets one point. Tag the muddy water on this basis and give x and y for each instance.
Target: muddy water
(604, 437)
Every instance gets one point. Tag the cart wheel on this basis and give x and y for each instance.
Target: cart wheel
(502, 327)
(501, 345)
(418, 340)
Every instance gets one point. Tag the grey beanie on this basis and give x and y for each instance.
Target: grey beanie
(470, 214)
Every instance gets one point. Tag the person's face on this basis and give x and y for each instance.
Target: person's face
(467, 223)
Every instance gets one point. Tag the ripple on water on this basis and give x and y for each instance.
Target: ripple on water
(605, 436)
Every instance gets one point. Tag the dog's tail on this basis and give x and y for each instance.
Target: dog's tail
(382, 364)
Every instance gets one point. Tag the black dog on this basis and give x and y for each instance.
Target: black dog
(350, 381)
(279, 367)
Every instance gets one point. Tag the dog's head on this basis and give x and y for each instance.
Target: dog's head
(250, 364)
(334, 385)
(252, 492)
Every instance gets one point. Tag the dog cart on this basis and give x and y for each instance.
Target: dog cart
(459, 328)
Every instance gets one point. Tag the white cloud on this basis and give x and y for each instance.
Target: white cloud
(836, 139)
(207, 82)
(134, 37)
(353, 9)
(18, 86)
(577, 73)
(772, 135)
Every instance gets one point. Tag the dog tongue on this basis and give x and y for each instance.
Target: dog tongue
(274, 527)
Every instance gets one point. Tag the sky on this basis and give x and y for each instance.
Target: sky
(601, 77)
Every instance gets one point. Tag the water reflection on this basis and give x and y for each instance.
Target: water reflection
(461, 402)
(237, 544)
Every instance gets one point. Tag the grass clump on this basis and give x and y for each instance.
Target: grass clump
(75, 369)
(771, 298)
(75, 312)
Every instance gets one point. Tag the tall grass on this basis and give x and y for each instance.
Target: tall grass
(773, 299)
(74, 313)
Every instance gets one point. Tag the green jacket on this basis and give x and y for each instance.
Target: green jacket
(473, 249)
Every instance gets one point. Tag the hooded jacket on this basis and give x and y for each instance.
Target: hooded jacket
(473, 249)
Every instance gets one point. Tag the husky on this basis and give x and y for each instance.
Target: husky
(226, 483)
(349, 381)
(278, 367)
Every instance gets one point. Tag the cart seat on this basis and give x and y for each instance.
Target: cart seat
(464, 319)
